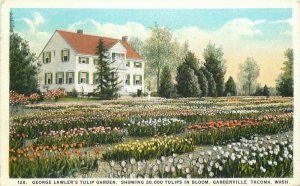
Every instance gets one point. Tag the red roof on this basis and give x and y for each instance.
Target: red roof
(86, 44)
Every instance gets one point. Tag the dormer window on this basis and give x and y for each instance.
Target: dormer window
(65, 55)
(84, 60)
(46, 57)
(117, 56)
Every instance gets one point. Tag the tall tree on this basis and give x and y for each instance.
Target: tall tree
(158, 51)
(285, 81)
(230, 87)
(187, 80)
(211, 84)
(109, 83)
(215, 64)
(249, 71)
(137, 44)
(193, 63)
(23, 66)
(266, 91)
(166, 88)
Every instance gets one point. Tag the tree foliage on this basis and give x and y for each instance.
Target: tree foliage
(109, 85)
(249, 71)
(166, 88)
(215, 64)
(211, 84)
(285, 81)
(230, 87)
(137, 44)
(187, 80)
(158, 51)
(23, 66)
(266, 91)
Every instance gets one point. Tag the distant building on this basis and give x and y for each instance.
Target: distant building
(68, 61)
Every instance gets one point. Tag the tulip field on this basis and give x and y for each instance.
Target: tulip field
(228, 137)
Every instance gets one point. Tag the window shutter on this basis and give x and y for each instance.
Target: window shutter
(66, 78)
(43, 57)
(63, 78)
(73, 77)
(51, 78)
(49, 57)
(78, 77)
(87, 78)
(128, 77)
(141, 64)
(133, 79)
(79, 59)
(141, 79)
(68, 54)
(56, 78)
(62, 55)
(87, 60)
(45, 78)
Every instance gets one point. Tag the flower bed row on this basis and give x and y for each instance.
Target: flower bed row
(148, 149)
(155, 127)
(246, 122)
(224, 135)
(87, 140)
(31, 131)
(259, 157)
(54, 165)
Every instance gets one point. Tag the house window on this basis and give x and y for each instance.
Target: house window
(96, 79)
(83, 77)
(59, 77)
(47, 57)
(96, 61)
(48, 78)
(117, 56)
(70, 77)
(137, 64)
(137, 79)
(127, 63)
(65, 55)
(128, 79)
(84, 60)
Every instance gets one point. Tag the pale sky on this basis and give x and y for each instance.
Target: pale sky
(263, 34)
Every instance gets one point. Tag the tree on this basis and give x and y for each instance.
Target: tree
(215, 64)
(203, 83)
(187, 80)
(193, 63)
(166, 88)
(266, 91)
(137, 44)
(259, 91)
(23, 66)
(230, 87)
(158, 51)
(249, 71)
(109, 84)
(285, 81)
(211, 84)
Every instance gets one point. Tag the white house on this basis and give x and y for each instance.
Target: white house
(68, 62)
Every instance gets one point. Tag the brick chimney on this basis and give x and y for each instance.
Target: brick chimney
(79, 31)
(124, 38)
